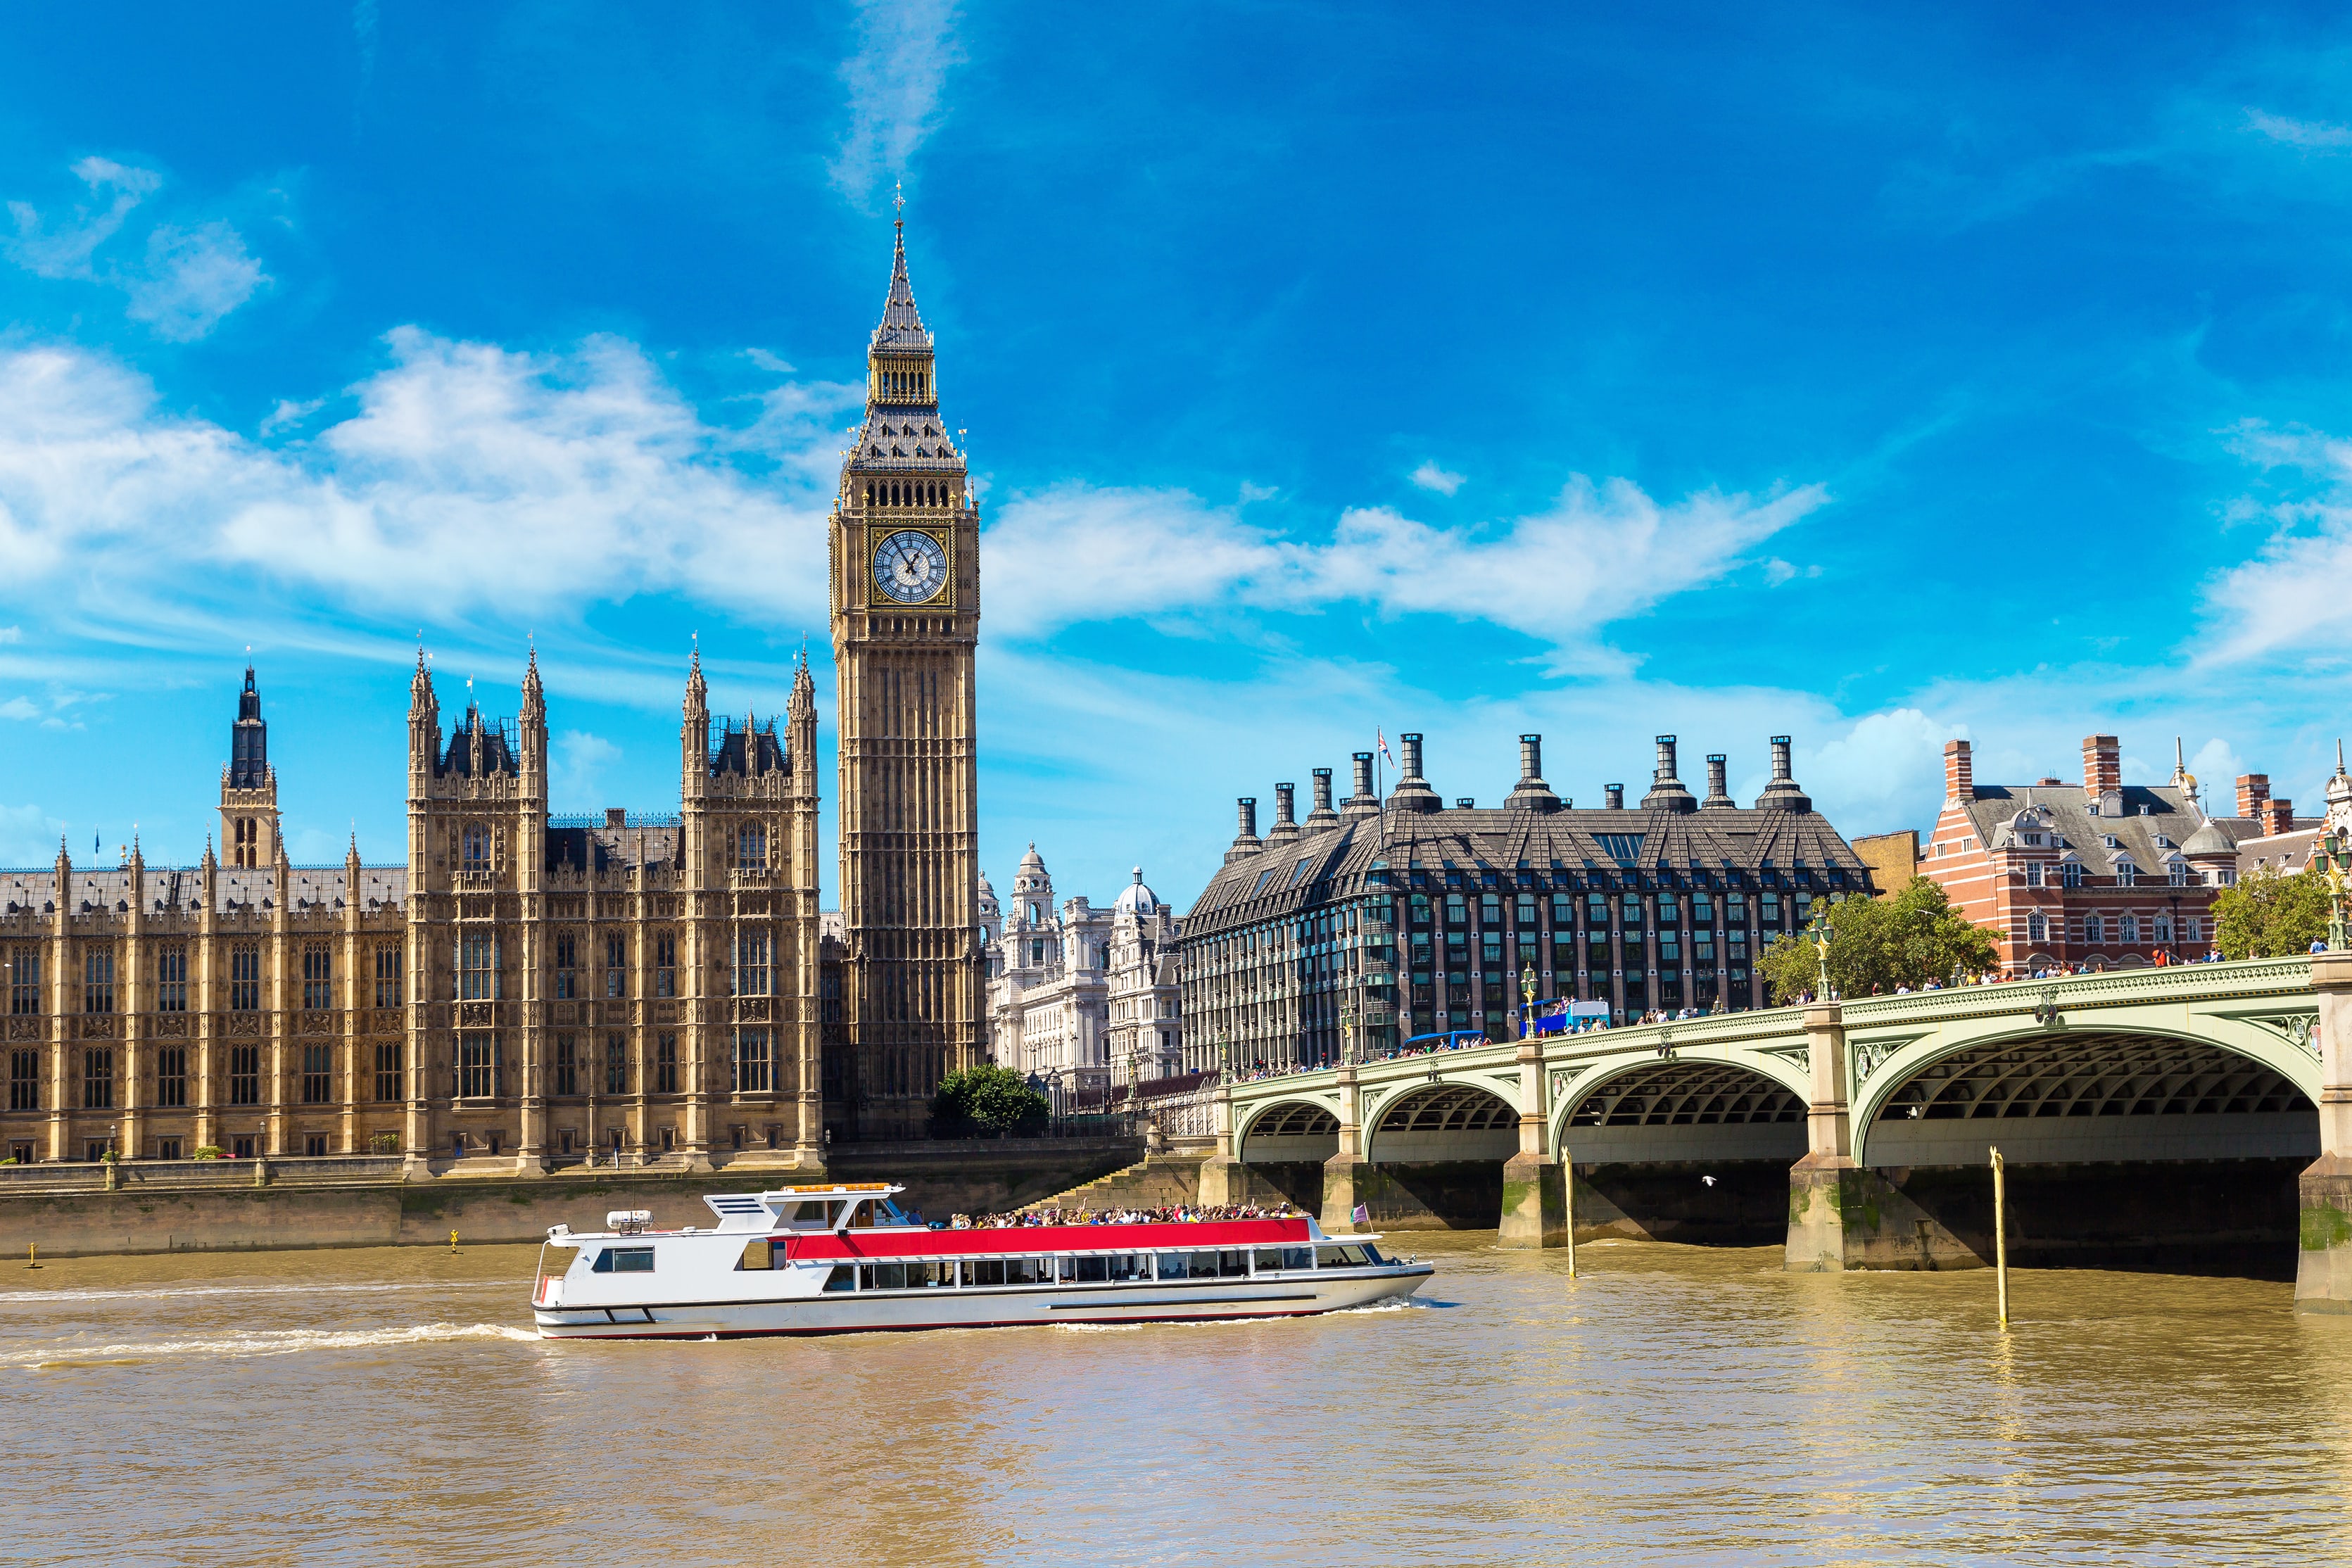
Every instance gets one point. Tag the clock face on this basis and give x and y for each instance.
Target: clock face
(910, 566)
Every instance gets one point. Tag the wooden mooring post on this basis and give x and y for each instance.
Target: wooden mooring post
(2001, 1236)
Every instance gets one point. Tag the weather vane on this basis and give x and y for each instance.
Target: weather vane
(900, 199)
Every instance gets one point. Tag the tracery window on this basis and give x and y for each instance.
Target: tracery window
(244, 977)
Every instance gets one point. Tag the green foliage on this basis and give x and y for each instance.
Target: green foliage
(987, 1100)
(1881, 943)
(209, 1152)
(385, 1142)
(2268, 915)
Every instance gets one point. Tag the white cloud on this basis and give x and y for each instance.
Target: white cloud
(580, 762)
(905, 48)
(2217, 766)
(288, 414)
(2290, 596)
(1430, 476)
(553, 479)
(1598, 554)
(28, 835)
(193, 277)
(19, 708)
(1880, 769)
(12, 634)
(2308, 133)
(189, 277)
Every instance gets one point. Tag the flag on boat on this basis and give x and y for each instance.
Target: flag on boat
(1363, 1215)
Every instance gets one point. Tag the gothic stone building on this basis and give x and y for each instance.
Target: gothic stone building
(526, 987)
(1387, 920)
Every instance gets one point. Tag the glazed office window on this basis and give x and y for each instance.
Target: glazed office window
(24, 980)
(1703, 944)
(1630, 908)
(318, 1075)
(98, 1078)
(1768, 911)
(616, 965)
(616, 1063)
(567, 1066)
(1490, 909)
(172, 1077)
(567, 957)
(2037, 927)
(1563, 912)
(244, 977)
(2070, 874)
(97, 978)
(2033, 874)
(245, 1075)
(1702, 908)
(2131, 928)
(477, 840)
(318, 977)
(387, 1072)
(1527, 911)
(172, 978)
(1735, 909)
(666, 1063)
(664, 964)
(752, 1061)
(2094, 929)
(2164, 928)
(1490, 945)
(750, 848)
(1457, 909)
(24, 1079)
(751, 951)
(2127, 874)
(388, 976)
(478, 967)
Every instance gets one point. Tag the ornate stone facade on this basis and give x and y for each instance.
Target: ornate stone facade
(1081, 999)
(524, 988)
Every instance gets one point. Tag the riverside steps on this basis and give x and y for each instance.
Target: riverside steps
(213, 1206)
(2188, 1118)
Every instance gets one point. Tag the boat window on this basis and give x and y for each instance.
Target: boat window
(1372, 1255)
(757, 1255)
(625, 1260)
(1090, 1271)
(882, 1277)
(861, 1217)
(984, 1271)
(1269, 1258)
(1233, 1263)
(1129, 1265)
(1338, 1258)
(1299, 1257)
(1028, 1272)
(893, 1215)
(842, 1277)
(806, 1215)
(1173, 1266)
(930, 1275)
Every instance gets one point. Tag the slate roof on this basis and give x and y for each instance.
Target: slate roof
(2150, 812)
(311, 887)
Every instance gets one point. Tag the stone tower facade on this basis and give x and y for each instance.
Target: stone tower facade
(905, 587)
(248, 803)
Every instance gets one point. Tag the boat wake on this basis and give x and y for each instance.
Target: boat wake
(37, 1297)
(259, 1343)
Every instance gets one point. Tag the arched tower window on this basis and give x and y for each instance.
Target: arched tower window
(477, 847)
(751, 847)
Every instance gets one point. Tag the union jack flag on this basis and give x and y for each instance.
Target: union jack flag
(1381, 745)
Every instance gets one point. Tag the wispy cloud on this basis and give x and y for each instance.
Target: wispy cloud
(896, 80)
(1601, 552)
(188, 277)
(2289, 597)
(1430, 476)
(28, 835)
(2317, 134)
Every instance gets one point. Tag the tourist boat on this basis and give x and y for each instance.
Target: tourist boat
(846, 1258)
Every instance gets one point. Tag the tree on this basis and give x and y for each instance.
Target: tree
(2267, 915)
(987, 1099)
(1881, 943)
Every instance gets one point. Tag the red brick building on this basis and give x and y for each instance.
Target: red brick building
(2099, 873)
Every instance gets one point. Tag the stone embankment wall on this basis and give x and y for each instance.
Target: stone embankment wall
(942, 1179)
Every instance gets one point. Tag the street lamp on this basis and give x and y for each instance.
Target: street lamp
(1821, 935)
(1347, 1031)
(2336, 852)
(1526, 1000)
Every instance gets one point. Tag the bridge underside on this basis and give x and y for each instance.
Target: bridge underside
(2123, 1150)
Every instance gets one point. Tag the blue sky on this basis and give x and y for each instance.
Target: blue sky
(1868, 377)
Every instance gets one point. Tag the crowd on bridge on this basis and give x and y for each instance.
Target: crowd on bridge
(1177, 1214)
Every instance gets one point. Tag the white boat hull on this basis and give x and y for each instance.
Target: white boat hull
(1280, 1294)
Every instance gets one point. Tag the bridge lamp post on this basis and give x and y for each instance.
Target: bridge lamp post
(1347, 1031)
(1526, 1000)
(1821, 935)
(2336, 849)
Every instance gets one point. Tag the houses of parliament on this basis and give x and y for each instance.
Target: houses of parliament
(525, 987)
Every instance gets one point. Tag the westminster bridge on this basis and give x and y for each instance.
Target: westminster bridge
(2192, 1119)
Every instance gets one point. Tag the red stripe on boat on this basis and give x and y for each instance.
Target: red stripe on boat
(1018, 1240)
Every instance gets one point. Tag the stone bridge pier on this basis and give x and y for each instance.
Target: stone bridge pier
(2322, 1277)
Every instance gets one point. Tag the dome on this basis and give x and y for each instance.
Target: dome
(1136, 899)
(987, 896)
(2209, 839)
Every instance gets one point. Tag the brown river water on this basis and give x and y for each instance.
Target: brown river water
(1672, 1405)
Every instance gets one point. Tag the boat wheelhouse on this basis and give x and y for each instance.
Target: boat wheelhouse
(846, 1258)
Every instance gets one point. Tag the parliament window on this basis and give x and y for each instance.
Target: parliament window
(750, 842)
(478, 848)
(387, 1071)
(387, 975)
(172, 1075)
(98, 1078)
(478, 967)
(318, 977)
(566, 966)
(24, 1079)
(567, 1065)
(245, 1075)
(318, 1075)
(751, 949)
(616, 1063)
(750, 1061)
(24, 980)
(666, 1063)
(97, 978)
(477, 1065)
(616, 965)
(664, 964)
(244, 978)
(172, 978)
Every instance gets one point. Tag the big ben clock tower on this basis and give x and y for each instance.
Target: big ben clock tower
(906, 618)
